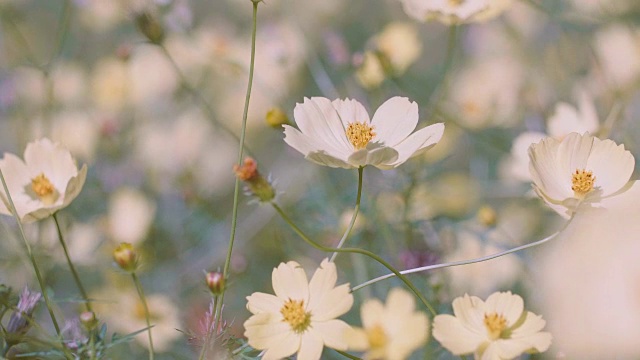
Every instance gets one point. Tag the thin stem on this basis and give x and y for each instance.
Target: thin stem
(377, 258)
(353, 217)
(457, 263)
(236, 191)
(92, 344)
(147, 316)
(14, 212)
(62, 32)
(87, 302)
(347, 355)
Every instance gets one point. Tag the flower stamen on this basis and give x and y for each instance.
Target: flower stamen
(454, 3)
(293, 313)
(359, 134)
(44, 189)
(377, 337)
(582, 182)
(495, 325)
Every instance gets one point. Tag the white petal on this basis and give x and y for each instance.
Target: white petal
(470, 310)
(74, 186)
(400, 303)
(545, 170)
(418, 142)
(611, 164)
(506, 304)
(317, 118)
(290, 282)
(455, 336)
(357, 339)
(331, 304)
(313, 149)
(371, 313)
(532, 324)
(350, 111)
(260, 302)
(573, 154)
(333, 333)
(284, 348)
(395, 120)
(311, 346)
(43, 156)
(375, 156)
(263, 331)
(491, 352)
(322, 158)
(323, 280)
(16, 176)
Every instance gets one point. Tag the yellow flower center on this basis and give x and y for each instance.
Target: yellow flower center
(44, 189)
(495, 325)
(359, 134)
(377, 337)
(293, 313)
(582, 182)
(455, 3)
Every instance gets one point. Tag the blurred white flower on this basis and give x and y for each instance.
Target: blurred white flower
(371, 73)
(392, 330)
(130, 215)
(340, 134)
(498, 329)
(455, 11)
(301, 316)
(618, 53)
(580, 168)
(110, 84)
(587, 281)
(125, 314)
(46, 181)
(77, 131)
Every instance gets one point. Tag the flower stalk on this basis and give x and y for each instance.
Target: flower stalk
(356, 209)
(147, 315)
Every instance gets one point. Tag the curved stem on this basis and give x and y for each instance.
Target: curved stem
(236, 191)
(347, 355)
(377, 258)
(353, 217)
(458, 263)
(14, 212)
(87, 303)
(147, 315)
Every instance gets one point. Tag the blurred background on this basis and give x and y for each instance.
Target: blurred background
(150, 95)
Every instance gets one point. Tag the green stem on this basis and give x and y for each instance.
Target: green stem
(87, 302)
(61, 35)
(353, 217)
(14, 212)
(236, 191)
(347, 355)
(147, 315)
(356, 251)
(92, 344)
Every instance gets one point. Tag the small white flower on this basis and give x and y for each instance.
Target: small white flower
(390, 332)
(580, 168)
(340, 134)
(455, 11)
(499, 328)
(301, 316)
(46, 181)
(567, 119)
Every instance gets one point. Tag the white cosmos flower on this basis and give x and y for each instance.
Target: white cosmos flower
(392, 331)
(499, 328)
(455, 11)
(580, 168)
(301, 316)
(340, 134)
(46, 181)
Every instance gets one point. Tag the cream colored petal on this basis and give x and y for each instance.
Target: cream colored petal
(322, 158)
(331, 304)
(491, 352)
(409, 337)
(455, 335)
(350, 111)
(356, 339)
(373, 156)
(74, 186)
(507, 304)
(573, 153)
(317, 118)
(284, 348)
(470, 310)
(371, 313)
(512, 348)
(263, 331)
(417, 143)
(260, 302)
(395, 120)
(532, 324)
(611, 164)
(333, 333)
(323, 280)
(313, 149)
(546, 172)
(556, 206)
(16, 176)
(310, 346)
(290, 282)
(43, 156)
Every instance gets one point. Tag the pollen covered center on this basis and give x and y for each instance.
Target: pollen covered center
(377, 337)
(495, 325)
(454, 3)
(359, 134)
(582, 182)
(44, 189)
(293, 313)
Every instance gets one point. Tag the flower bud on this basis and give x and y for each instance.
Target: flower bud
(126, 257)
(276, 118)
(215, 282)
(256, 184)
(88, 320)
(150, 26)
(20, 320)
(487, 216)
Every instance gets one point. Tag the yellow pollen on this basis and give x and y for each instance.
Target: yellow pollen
(359, 134)
(582, 182)
(293, 313)
(377, 337)
(455, 3)
(495, 325)
(44, 189)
